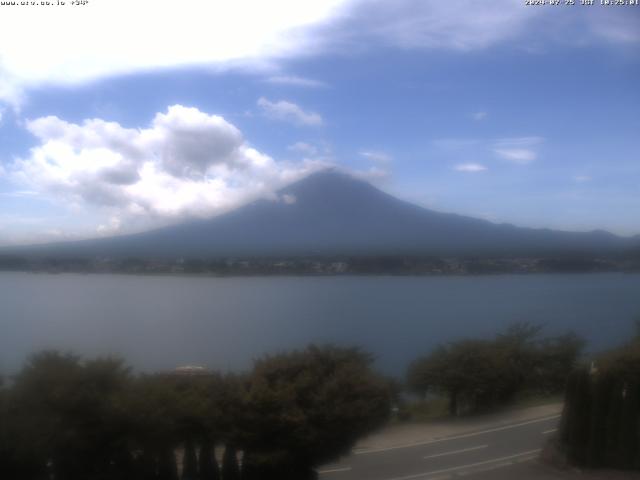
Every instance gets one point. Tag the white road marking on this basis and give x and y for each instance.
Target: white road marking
(456, 451)
(334, 470)
(545, 432)
(499, 461)
(455, 437)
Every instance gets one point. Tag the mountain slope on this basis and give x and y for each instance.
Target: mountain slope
(333, 213)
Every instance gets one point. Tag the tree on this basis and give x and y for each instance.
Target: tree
(207, 463)
(68, 418)
(230, 468)
(480, 374)
(308, 407)
(601, 420)
(555, 358)
(20, 456)
(189, 462)
(575, 428)
(152, 405)
(68, 415)
(468, 372)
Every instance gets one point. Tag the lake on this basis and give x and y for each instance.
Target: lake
(160, 322)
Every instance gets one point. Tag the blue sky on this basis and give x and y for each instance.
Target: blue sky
(527, 115)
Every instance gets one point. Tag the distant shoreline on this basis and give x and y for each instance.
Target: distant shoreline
(312, 275)
(322, 266)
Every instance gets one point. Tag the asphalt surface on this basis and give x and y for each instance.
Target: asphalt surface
(497, 451)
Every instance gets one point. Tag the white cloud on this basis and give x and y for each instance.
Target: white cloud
(377, 157)
(515, 150)
(76, 44)
(18, 193)
(521, 156)
(16, 229)
(463, 25)
(80, 44)
(581, 178)
(519, 150)
(289, 199)
(201, 32)
(520, 141)
(479, 116)
(470, 25)
(296, 81)
(11, 88)
(615, 27)
(303, 148)
(111, 228)
(187, 163)
(470, 167)
(289, 112)
(374, 174)
(195, 141)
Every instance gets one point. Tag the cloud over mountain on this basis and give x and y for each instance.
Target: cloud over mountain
(185, 163)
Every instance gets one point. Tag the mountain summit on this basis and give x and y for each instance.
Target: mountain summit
(331, 213)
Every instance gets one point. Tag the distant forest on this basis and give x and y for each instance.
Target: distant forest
(324, 265)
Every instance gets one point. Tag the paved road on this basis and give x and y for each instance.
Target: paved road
(496, 451)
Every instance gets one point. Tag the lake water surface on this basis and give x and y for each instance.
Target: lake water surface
(162, 322)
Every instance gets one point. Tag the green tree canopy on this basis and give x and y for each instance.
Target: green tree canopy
(308, 407)
(69, 414)
(477, 374)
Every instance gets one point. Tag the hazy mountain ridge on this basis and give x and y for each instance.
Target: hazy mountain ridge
(331, 213)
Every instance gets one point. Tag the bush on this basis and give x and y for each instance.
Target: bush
(480, 374)
(308, 407)
(601, 421)
(67, 418)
